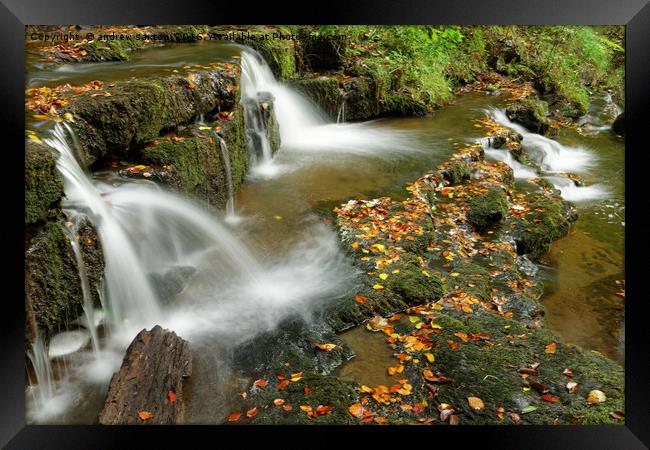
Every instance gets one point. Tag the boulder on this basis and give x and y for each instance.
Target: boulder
(619, 124)
(531, 114)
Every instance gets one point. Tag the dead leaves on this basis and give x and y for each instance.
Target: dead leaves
(551, 348)
(325, 347)
(595, 396)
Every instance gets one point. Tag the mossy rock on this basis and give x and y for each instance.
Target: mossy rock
(323, 54)
(279, 54)
(411, 283)
(489, 370)
(136, 111)
(43, 182)
(457, 172)
(53, 287)
(487, 209)
(531, 113)
(322, 90)
(549, 218)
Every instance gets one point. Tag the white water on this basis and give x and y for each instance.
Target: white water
(552, 157)
(549, 154)
(302, 127)
(340, 115)
(225, 155)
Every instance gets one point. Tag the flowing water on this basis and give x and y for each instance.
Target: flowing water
(281, 259)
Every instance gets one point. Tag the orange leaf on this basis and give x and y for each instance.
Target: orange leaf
(550, 348)
(282, 385)
(360, 299)
(476, 403)
(145, 415)
(234, 417)
(278, 402)
(326, 347)
(296, 376)
(172, 396)
(356, 410)
(251, 412)
(287, 407)
(260, 383)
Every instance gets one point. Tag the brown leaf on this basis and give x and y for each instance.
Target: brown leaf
(618, 415)
(550, 398)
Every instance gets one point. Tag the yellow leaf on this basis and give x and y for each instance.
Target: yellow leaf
(476, 403)
(430, 357)
(377, 287)
(596, 396)
(550, 348)
(145, 415)
(326, 347)
(383, 276)
(68, 116)
(33, 137)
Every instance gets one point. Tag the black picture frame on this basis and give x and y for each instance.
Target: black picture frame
(635, 14)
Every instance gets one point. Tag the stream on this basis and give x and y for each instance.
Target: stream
(281, 258)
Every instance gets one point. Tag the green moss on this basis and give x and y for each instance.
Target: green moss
(136, 111)
(197, 163)
(43, 183)
(324, 91)
(279, 54)
(487, 209)
(411, 283)
(457, 172)
(549, 218)
(52, 280)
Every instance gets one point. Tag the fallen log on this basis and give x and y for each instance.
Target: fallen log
(148, 388)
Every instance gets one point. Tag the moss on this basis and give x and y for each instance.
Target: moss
(322, 90)
(197, 162)
(531, 113)
(549, 218)
(487, 209)
(43, 183)
(411, 283)
(457, 172)
(136, 111)
(279, 54)
(52, 280)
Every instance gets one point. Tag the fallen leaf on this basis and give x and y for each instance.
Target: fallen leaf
(282, 385)
(596, 396)
(568, 373)
(454, 419)
(251, 412)
(296, 376)
(260, 383)
(172, 396)
(234, 417)
(550, 348)
(572, 387)
(618, 415)
(528, 409)
(360, 299)
(476, 403)
(356, 410)
(550, 398)
(145, 415)
(515, 418)
(430, 357)
(278, 402)
(326, 347)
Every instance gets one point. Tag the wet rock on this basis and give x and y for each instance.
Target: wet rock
(531, 114)
(172, 282)
(131, 113)
(619, 124)
(53, 289)
(322, 90)
(194, 164)
(148, 388)
(487, 209)
(43, 182)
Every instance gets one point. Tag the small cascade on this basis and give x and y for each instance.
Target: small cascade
(552, 157)
(225, 155)
(549, 154)
(340, 116)
(42, 386)
(90, 322)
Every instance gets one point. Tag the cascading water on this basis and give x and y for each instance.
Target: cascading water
(130, 297)
(302, 127)
(225, 155)
(340, 115)
(551, 156)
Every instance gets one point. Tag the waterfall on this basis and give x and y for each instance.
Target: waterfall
(519, 170)
(42, 387)
(130, 298)
(88, 307)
